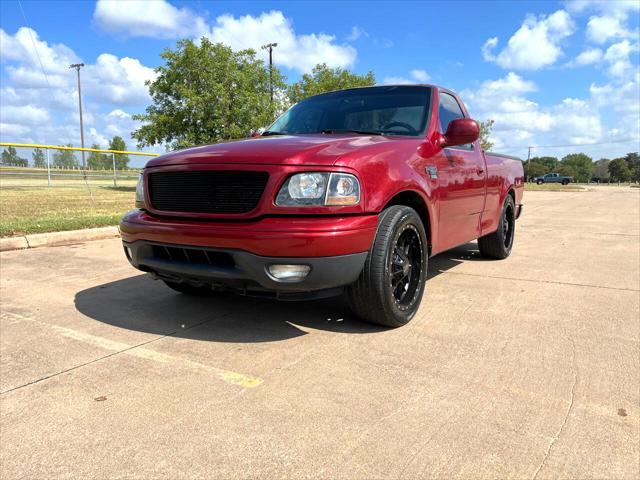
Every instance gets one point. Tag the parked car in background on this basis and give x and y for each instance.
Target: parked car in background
(349, 191)
(553, 178)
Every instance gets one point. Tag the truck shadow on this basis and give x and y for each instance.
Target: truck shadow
(141, 304)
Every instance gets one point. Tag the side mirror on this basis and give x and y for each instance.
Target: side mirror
(460, 132)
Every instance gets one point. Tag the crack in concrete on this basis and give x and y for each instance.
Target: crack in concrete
(555, 439)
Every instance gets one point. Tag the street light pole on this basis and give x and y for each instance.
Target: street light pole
(78, 66)
(270, 47)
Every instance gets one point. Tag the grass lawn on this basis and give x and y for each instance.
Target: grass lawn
(34, 210)
(572, 187)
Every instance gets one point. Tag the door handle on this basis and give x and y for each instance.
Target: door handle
(479, 171)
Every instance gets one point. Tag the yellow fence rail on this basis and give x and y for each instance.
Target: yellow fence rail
(76, 149)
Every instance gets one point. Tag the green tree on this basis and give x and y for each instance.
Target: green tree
(121, 159)
(11, 158)
(601, 170)
(485, 133)
(97, 160)
(567, 170)
(206, 93)
(582, 163)
(619, 170)
(324, 79)
(633, 162)
(550, 163)
(533, 169)
(38, 157)
(65, 158)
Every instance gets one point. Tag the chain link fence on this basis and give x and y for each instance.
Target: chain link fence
(33, 165)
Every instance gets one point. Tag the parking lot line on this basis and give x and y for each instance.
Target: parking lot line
(138, 351)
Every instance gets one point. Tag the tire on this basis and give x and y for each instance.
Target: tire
(498, 245)
(390, 287)
(539, 182)
(189, 289)
(565, 182)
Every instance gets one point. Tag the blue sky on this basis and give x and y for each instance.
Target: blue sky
(548, 73)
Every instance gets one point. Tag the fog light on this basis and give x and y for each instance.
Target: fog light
(289, 273)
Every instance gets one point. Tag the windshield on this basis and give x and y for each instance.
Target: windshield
(376, 110)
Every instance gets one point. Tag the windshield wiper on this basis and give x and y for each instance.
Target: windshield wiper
(266, 133)
(361, 132)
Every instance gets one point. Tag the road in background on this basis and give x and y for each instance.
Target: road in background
(523, 368)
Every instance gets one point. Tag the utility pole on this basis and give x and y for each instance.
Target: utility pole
(270, 47)
(78, 66)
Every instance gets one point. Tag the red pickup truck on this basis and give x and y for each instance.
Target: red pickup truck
(349, 191)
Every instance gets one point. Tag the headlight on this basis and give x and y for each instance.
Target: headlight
(319, 189)
(140, 192)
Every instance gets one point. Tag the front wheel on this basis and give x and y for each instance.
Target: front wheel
(565, 182)
(390, 287)
(497, 245)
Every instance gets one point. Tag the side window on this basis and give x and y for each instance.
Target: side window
(449, 110)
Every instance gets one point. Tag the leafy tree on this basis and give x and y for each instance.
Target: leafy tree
(633, 162)
(65, 158)
(601, 170)
(38, 157)
(550, 163)
(533, 169)
(485, 133)
(567, 170)
(121, 160)
(97, 160)
(324, 79)
(10, 158)
(206, 93)
(619, 170)
(582, 163)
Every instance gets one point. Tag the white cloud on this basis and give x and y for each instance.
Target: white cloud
(520, 121)
(29, 114)
(618, 57)
(600, 29)
(420, 75)
(416, 76)
(143, 18)
(298, 52)
(160, 19)
(356, 34)
(118, 81)
(588, 57)
(535, 45)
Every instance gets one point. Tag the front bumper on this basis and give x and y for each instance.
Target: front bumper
(290, 236)
(240, 270)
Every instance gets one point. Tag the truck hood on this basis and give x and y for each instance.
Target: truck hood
(315, 149)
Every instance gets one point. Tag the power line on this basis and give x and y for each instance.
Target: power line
(35, 48)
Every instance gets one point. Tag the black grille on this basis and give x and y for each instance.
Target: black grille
(193, 255)
(206, 191)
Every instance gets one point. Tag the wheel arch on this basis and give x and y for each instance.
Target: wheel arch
(413, 199)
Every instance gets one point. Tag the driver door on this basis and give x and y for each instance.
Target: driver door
(462, 182)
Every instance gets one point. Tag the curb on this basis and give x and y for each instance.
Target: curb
(57, 238)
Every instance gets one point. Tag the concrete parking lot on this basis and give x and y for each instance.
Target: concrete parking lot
(524, 368)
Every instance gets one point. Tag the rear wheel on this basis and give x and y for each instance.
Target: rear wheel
(188, 289)
(539, 182)
(565, 182)
(390, 287)
(497, 245)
